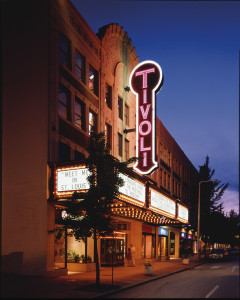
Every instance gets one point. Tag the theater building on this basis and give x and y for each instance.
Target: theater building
(60, 81)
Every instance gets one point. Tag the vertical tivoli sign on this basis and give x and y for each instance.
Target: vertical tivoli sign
(145, 81)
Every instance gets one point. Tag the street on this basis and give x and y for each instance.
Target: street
(210, 280)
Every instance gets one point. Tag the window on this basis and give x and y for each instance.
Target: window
(120, 144)
(120, 108)
(108, 95)
(161, 177)
(80, 66)
(126, 115)
(165, 180)
(169, 159)
(64, 97)
(64, 152)
(93, 80)
(79, 114)
(126, 150)
(168, 182)
(64, 51)
(172, 243)
(108, 133)
(92, 122)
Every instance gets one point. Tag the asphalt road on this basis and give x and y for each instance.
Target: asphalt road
(210, 280)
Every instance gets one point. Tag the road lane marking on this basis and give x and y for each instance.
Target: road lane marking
(212, 291)
(234, 268)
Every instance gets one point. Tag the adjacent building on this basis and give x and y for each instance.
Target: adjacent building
(60, 81)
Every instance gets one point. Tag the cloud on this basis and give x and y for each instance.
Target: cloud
(230, 201)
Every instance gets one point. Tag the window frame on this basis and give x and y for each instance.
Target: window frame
(108, 134)
(94, 126)
(67, 105)
(126, 114)
(83, 113)
(120, 108)
(126, 148)
(67, 54)
(108, 95)
(82, 70)
(120, 145)
(94, 90)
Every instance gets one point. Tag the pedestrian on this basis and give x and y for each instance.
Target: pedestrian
(133, 250)
(129, 257)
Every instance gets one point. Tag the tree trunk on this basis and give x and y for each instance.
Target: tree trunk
(85, 240)
(96, 258)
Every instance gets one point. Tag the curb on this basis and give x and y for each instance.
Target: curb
(143, 282)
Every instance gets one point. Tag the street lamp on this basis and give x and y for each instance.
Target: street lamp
(198, 229)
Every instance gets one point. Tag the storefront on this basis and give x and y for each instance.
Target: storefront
(148, 241)
(162, 243)
(142, 215)
(113, 250)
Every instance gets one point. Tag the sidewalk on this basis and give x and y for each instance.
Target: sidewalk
(81, 285)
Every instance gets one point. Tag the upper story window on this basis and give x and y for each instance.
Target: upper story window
(126, 115)
(64, 100)
(108, 133)
(120, 141)
(65, 51)
(93, 80)
(80, 66)
(92, 122)
(79, 113)
(126, 149)
(64, 152)
(120, 108)
(108, 95)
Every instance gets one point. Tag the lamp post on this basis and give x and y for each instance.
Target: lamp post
(198, 229)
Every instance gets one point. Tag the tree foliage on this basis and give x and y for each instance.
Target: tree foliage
(212, 215)
(89, 213)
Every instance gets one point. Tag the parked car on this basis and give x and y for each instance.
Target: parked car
(232, 251)
(217, 254)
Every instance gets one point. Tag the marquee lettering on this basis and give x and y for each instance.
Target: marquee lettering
(145, 82)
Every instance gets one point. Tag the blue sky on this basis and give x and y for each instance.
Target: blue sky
(196, 43)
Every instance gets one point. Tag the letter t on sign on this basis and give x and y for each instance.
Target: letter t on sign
(145, 81)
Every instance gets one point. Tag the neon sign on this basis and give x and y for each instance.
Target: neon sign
(145, 81)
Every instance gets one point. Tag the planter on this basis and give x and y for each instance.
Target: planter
(148, 270)
(185, 261)
(76, 267)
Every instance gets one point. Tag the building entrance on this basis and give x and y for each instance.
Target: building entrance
(162, 247)
(112, 252)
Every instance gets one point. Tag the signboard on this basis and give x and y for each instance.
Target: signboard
(166, 205)
(182, 212)
(145, 81)
(183, 235)
(132, 188)
(71, 179)
(162, 231)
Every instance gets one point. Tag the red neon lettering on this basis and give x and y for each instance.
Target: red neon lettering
(145, 81)
(144, 96)
(149, 128)
(142, 148)
(145, 159)
(144, 74)
(145, 112)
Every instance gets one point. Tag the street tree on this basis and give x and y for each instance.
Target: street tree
(211, 209)
(89, 213)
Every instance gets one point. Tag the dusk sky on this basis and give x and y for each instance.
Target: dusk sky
(196, 43)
